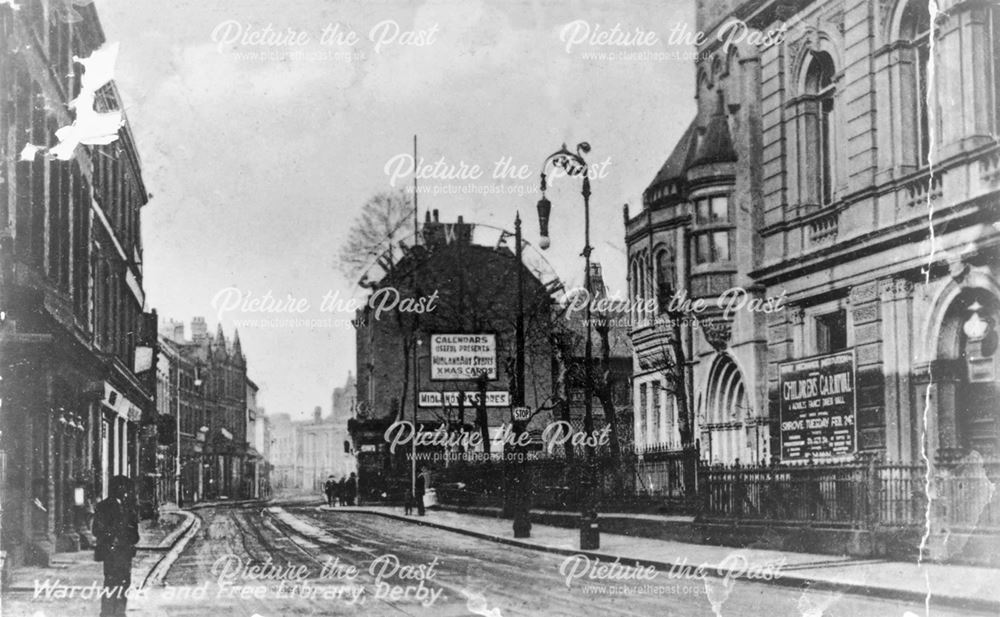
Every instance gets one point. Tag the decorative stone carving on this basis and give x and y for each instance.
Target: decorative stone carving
(886, 289)
(866, 313)
(865, 292)
(717, 332)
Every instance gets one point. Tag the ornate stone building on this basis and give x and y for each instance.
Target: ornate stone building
(849, 167)
(210, 379)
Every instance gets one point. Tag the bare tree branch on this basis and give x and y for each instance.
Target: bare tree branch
(374, 233)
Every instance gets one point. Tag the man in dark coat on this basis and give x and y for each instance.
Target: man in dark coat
(116, 529)
(352, 489)
(330, 488)
(418, 495)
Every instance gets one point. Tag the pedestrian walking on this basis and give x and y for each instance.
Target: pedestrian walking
(116, 529)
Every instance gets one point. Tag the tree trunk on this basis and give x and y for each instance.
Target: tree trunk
(562, 392)
(680, 385)
(604, 389)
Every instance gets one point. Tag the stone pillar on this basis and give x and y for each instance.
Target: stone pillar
(784, 329)
(897, 338)
(68, 540)
(868, 354)
(42, 538)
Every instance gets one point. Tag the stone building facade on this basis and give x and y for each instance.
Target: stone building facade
(819, 171)
(282, 455)
(211, 386)
(76, 340)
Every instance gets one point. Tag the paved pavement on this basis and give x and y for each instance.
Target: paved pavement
(954, 585)
(26, 592)
(479, 569)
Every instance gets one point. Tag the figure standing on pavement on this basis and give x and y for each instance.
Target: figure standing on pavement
(116, 529)
(352, 489)
(418, 495)
(330, 488)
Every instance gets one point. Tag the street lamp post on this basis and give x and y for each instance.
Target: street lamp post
(575, 165)
(522, 520)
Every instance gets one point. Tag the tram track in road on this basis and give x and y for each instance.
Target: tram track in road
(292, 550)
(501, 578)
(354, 560)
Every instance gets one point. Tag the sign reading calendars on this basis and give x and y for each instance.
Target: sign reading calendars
(463, 357)
(493, 399)
(818, 407)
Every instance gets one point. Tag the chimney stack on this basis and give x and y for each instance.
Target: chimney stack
(199, 330)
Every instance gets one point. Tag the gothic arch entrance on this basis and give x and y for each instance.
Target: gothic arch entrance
(958, 384)
(969, 370)
(728, 430)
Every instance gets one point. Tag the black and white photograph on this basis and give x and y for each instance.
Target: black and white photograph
(499, 308)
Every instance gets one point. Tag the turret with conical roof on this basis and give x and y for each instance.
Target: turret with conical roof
(716, 146)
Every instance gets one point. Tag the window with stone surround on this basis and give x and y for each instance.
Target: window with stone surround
(820, 130)
(713, 234)
(831, 331)
(915, 27)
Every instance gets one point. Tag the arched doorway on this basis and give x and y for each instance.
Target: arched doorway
(727, 430)
(968, 375)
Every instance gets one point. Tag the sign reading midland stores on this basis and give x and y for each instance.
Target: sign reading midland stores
(818, 407)
(463, 357)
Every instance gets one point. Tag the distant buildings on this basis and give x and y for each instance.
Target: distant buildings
(210, 394)
(304, 453)
(283, 444)
(256, 464)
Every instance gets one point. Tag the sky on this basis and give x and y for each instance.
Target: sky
(263, 128)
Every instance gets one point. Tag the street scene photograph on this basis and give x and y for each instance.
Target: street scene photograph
(499, 308)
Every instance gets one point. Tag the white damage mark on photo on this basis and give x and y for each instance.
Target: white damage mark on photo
(717, 591)
(477, 605)
(814, 603)
(928, 470)
(91, 127)
(29, 151)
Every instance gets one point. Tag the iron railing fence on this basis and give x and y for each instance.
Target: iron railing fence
(853, 494)
(653, 481)
(856, 494)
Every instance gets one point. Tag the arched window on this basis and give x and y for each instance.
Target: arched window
(666, 277)
(819, 85)
(915, 28)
